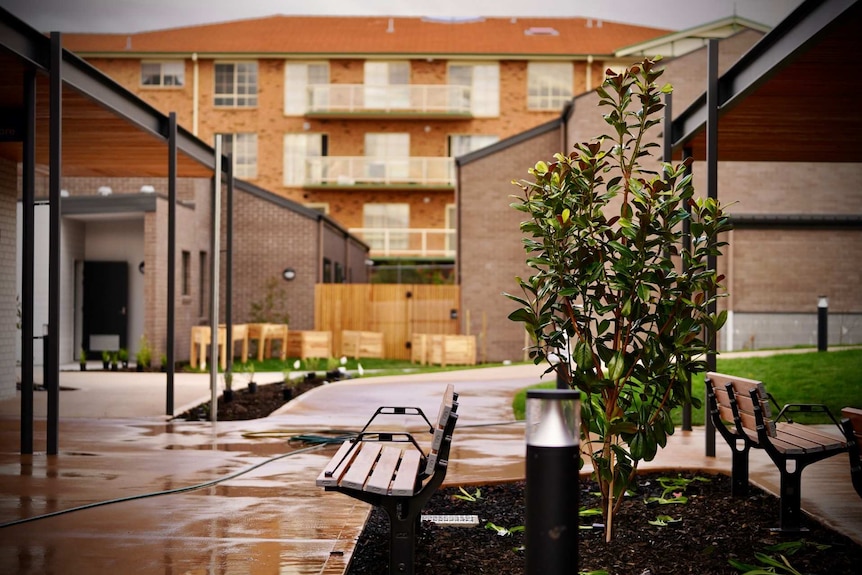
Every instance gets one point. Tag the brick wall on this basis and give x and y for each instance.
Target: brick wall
(9, 336)
(491, 253)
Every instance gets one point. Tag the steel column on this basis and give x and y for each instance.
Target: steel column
(52, 361)
(228, 280)
(28, 250)
(712, 192)
(172, 260)
(215, 249)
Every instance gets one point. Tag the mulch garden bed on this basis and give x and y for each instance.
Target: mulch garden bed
(713, 528)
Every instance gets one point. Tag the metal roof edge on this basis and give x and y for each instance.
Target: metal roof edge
(809, 21)
(509, 142)
(694, 31)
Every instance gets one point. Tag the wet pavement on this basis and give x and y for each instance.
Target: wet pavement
(259, 511)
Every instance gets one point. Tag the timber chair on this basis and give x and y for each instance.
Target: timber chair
(745, 405)
(390, 470)
(851, 423)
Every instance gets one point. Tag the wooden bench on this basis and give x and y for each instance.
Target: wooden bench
(745, 405)
(390, 470)
(851, 422)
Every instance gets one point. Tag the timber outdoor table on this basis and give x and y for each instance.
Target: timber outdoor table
(201, 339)
(265, 333)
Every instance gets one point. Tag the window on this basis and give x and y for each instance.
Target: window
(187, 273)
(484, 83)
(244, 150)
(451, 219)
(387, 85)
(549, 85)
(163, 73)
(383, 218)
(236, 84)
(298, 150)
(389, 155)
(464, 144)
(203, 273)
(305, 87)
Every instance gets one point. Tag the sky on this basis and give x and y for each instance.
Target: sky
(127, 16)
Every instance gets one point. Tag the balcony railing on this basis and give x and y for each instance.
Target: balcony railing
(363, 170)
(435, 99)
(408, 242)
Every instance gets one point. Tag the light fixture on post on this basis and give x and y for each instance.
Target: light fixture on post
(822, 323)
(553, 462)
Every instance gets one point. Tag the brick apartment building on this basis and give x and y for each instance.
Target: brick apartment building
(797, 216)
(362, 117)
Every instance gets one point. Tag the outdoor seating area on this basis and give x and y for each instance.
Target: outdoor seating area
(745, 404)
(390, 470)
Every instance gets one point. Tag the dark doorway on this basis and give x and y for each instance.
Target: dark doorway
(105, 318)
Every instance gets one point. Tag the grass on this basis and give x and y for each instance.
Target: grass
(833, 379)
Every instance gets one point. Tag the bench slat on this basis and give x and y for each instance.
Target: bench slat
(813, 435)
(337, 470)
(381, 477)
(404, 484)
(363, 462)
(855, 417)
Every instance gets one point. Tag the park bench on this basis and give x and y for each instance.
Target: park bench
(390, 470)
(745, 405)
(851, 422)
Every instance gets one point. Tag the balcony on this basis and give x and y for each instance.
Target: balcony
(408, 242)
(367, 172)
(434, 102)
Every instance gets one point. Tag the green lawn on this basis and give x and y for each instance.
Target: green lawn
(834, 379)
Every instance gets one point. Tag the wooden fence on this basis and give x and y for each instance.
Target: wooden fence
(395, 310)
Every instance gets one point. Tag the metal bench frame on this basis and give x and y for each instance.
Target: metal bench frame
(851, 423)
(404, 511)
(791, 442)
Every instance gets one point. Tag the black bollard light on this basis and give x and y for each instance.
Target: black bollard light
(553, 454)
(822, 323)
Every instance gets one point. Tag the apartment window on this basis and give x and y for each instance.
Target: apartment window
(461, 144)
(202, 284)
(387, 85)
(236, 84)
(549, 85)
(388, 156)
(186, 273)
(382, 222)
(303, 155)
(243, 146)
(165, 74)
(306, 87)
(451, 220)
(484, 83)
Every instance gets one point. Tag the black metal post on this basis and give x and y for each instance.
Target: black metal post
(712, 192)
(28, 250)
(228, 279)
(52, 359)
(172, 261)
(822, 323)
(553, 454)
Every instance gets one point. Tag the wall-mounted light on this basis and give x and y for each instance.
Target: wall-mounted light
(141, 267)
(104, 191)
(288, 274)
(147, 189)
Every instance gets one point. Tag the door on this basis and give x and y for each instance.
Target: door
(105, 315)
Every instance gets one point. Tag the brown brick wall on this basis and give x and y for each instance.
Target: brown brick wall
(8, 290)
(491, 253)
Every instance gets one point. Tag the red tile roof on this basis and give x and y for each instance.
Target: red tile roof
(377, 35)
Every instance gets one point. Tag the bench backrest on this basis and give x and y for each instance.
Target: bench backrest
(855, 417)
(729, 389)
(442, 429)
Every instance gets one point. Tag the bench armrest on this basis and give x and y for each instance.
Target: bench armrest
(805, 408)
(391, 410)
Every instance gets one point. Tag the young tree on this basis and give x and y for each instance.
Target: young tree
(614, 295)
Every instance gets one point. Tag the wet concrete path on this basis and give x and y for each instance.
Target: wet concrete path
(272, 519)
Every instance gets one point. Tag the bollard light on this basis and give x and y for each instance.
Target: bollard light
(553, 456)
(822, 323)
